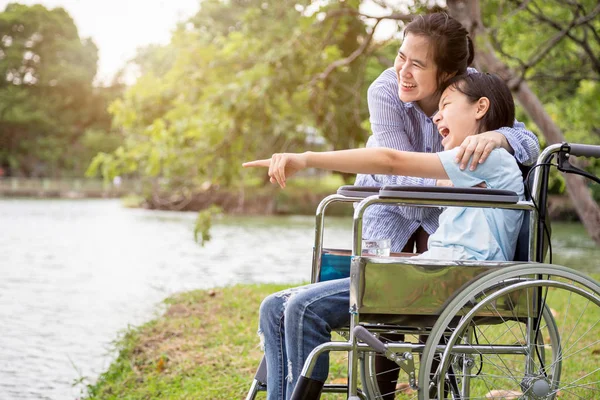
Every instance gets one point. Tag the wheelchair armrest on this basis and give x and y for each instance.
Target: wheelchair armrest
(473, 194)
(358, 191)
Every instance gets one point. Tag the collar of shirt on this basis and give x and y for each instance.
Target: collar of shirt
(411, 104)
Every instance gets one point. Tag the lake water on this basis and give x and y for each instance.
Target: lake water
(73, 274)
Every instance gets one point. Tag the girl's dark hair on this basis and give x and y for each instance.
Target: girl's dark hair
(477, 85)
(452, 47)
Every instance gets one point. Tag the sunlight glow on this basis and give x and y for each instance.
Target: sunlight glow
(119, 27)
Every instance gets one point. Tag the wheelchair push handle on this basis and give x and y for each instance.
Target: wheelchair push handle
(565, 150)
(585, 150)
(363, 334)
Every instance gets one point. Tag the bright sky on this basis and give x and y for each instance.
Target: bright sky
(119, 27)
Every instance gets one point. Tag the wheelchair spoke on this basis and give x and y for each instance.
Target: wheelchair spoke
(507, 368)
(498, 317)
(587, 385)
(584, 334)
(576, 323)
(560, 359)
(387, 371)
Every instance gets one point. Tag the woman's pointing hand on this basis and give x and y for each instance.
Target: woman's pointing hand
(281, 166)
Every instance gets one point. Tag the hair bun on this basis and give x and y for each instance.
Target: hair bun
(471, 50)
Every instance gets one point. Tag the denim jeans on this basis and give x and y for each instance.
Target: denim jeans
(295, 321)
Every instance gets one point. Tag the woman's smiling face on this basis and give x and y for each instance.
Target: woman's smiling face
(417, 73)
(458, 117)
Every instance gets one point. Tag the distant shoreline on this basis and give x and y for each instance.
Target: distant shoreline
(68, 188)
(249, 201)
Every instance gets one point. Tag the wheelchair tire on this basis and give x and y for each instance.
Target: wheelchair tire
(369, 374)
(506, 358)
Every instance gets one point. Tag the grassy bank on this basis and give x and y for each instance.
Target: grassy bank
(205, 346)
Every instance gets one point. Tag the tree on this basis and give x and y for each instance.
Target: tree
(239, 84)
(46, 96)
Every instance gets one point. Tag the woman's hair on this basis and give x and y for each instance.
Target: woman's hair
(474, 86)
(452, 47)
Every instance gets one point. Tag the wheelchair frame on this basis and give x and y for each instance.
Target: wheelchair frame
(502, 278)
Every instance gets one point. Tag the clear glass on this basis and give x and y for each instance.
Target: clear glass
(376, 247)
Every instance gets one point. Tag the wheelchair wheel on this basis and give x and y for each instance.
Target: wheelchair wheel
(454, 380)
(369, 380)
(501, 346)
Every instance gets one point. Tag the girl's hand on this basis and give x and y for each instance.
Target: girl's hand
(479, 147)
(281, 166)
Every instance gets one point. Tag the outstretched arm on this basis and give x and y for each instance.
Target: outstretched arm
(367, 161)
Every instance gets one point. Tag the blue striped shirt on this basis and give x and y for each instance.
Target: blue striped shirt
(404, 126)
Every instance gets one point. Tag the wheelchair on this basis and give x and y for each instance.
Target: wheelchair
(495, 330)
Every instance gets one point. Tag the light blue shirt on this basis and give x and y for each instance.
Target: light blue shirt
(479, 233)
(404, 126)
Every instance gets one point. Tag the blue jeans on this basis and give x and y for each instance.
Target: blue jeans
(295, 321)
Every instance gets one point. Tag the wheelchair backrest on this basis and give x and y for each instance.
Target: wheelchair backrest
(522, 248)
(523, 240)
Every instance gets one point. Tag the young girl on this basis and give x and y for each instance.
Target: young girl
(294, 322)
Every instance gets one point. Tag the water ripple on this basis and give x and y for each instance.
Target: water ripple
(75, 273)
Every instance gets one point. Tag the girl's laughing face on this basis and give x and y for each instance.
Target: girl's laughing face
(458, 117)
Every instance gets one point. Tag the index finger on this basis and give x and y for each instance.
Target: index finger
(257, 163)
(459, 153)
(467, 152)
(477, 155)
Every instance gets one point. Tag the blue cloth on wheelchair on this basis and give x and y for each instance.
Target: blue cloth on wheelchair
(334, 266)
(480, 233)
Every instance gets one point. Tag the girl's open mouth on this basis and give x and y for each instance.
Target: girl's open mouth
(444, 131)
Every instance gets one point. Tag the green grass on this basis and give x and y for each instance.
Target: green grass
(205, 346)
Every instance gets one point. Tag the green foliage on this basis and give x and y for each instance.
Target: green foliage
(50, 114)
(238, 82)
(204, 222)
(241, 80)
(566, 77)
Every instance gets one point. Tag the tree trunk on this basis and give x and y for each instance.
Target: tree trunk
(468, 13)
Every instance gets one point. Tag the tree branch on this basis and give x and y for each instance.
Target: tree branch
(345, 61)
(581, 8)
(566, 77)
(545, 49)
(584, 20)
(357, 99)
(498, 47)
